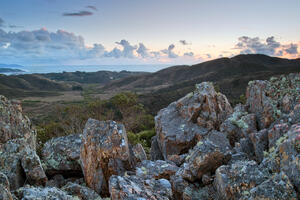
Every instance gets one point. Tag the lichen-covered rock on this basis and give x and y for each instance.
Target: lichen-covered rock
(139, 153)
(18, 159)
(289, 153)
(4, 188)
(38, 193)
(156, 169)
(239, 124)
(56, 181)
(204, 193)
(83, 193)
(276, 187)
(207, 156)
(32, 167)
(235, 180)
(269, 100)
(20, 163)
(177, 159)
(276, 132)
(133, 187)
(15, 125)
(183, 123)
(62, 155)
(104, 152)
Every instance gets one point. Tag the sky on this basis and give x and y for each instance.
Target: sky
(95, 32)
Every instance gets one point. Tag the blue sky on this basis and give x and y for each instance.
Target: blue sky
(145, 32)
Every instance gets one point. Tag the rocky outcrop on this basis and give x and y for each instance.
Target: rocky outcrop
(183, 123)
(270, 100)
(132, 187)
(139, 153)
(62, 155)
(104, 152)
(18, 159)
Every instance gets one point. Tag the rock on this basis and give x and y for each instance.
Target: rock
(47, 193)
(62, 155)
(32, 167)
(83, 193)
(139, 153)
(239, 124)
(133, 187)
(156, 169)
(18, 159)
(15, 125)
(277, 187)
(104, 152)
(177, 159)
(276, 132)
(20, 163)
(4, 188)
(183, 123)
(245, 148)
(260, 143)
(235, 180)
(269, 100)
(207, 156)
(204, 193)
(289, 153)
(56, 181)
(155, 152)
(294, 115)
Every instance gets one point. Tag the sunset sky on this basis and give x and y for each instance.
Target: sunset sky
(91, 32)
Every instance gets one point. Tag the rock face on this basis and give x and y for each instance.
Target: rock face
(18, 159)
(132, 187)
(83, 193)
(139, 153)
(62, 155)
(104, 152)
(183, 123)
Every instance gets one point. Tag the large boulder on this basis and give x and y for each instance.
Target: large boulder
(183, 123)
(62, 155)
(207, 156)
(104, 152)
(269, 100)
(133, 187)
(18, 158)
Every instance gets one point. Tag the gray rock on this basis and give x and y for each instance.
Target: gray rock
(133, 187)
(37, 193)
(139, 153)
(4, 188)
(156, 169)
(62, 155)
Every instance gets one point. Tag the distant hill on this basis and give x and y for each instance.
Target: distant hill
(101, 77)
(10, 70)
(230, 74)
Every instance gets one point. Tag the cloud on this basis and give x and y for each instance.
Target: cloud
(256, 45)
(92, 7)
(1, 22)
(78, 14)
(191, 54)
(128, 50)
(270, 46)
(170, 52)
(143, 51)
(291, 49)
(184, 42)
